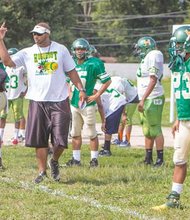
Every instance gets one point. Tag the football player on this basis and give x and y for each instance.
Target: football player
(180, 66)
(129, 90)
(90, 69)
(110, 106)
(16, 88)
(151, 96)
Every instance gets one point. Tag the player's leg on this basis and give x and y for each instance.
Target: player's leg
(76, 130)
(180, 158)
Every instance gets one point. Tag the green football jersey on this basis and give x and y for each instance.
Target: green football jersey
(181, 85)
(2, 66)
(91, 70)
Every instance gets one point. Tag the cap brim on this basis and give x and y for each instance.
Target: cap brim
(40, 30)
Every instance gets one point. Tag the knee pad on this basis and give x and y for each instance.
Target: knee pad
(91, 131)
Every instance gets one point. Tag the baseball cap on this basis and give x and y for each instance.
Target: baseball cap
(40, 29)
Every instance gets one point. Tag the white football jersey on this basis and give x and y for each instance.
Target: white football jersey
(111, 99)
(125, 87)
(154, 59)
(16, 82)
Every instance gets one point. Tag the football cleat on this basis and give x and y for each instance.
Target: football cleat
(105, 153)
(173, 202)
(159, 163)
(41, 176)
(73, 162)
(93, 163)
(116, 142)
(124, 144)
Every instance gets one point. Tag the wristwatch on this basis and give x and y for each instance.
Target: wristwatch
(82, 90)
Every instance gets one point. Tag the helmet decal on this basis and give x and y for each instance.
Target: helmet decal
(144, 46)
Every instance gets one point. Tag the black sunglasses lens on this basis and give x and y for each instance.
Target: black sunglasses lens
(34, 33)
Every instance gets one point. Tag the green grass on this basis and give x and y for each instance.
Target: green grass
(120, 188)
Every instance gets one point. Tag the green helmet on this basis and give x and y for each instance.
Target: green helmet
(93, 51)
(180, 41)
(12, 51)
(82, 44)
(144, 45)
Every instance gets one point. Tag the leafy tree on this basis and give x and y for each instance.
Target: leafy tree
(22, 15)
(120, 23)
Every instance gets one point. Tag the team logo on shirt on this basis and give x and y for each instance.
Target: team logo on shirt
(46, 63)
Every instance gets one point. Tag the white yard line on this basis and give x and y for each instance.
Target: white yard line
(92, 202)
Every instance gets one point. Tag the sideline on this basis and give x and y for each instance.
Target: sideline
(137, 137)
(92, 202)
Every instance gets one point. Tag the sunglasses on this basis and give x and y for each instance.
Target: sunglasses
(38, 34)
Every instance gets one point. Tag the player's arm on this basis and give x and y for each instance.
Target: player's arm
(99, 92)
(75, 79)
(101, 111)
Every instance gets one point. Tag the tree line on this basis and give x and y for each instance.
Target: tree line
(112, 26)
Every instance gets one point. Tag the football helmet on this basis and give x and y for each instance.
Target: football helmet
(180, 42)
(143, 46)
(12, 51)
(93, 51)
(80, 43)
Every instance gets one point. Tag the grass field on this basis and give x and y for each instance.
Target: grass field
(121, 188)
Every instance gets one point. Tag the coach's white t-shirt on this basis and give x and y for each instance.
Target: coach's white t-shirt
(46, 68)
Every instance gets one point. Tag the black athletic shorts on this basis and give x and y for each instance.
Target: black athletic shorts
(45, 120)
(113, 121)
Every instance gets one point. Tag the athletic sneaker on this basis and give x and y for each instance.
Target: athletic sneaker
(159, 163)
(54, 166)
(1, 164)
(105, 153)
(94, 162)
(21, 138)
(73, 162)
(15, 141)
(173, 202)
(124, 144)
(41, 176)
(116, 142)
(148, 161)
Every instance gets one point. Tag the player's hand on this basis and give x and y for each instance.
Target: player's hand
(141, 106)
(103, 126)
(175, 127)
(82, 96)
(91, 98)
(3, 31)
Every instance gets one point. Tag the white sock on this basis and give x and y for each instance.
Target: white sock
(94, 154)
(2, 133)
(178, 187)
(76, 154)
(16, 133)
